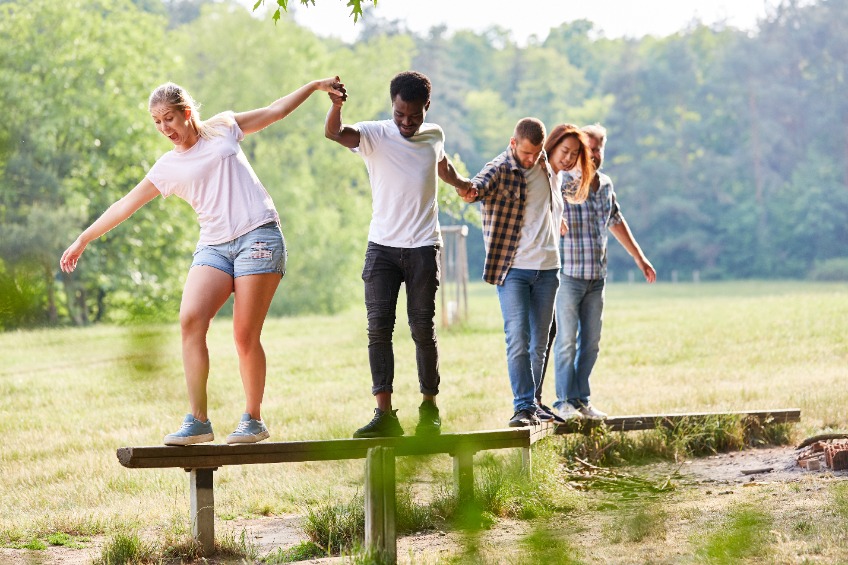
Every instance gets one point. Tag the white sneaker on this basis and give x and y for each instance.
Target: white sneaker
(590, 412)
(568, 412)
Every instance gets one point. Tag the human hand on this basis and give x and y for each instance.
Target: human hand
(332, 85)
(468, 192)
(647, 270)
(71, 256)
(563, 227)
(335, 90)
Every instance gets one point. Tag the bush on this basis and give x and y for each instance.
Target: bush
(830, 270)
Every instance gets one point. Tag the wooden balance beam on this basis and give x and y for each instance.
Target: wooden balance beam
(379, 454)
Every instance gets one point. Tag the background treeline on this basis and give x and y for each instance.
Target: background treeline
(729, 150)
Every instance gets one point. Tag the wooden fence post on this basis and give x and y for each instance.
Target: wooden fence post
(380, 534)
(203, 509)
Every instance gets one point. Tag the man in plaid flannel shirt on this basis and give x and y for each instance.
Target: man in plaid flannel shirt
(522, 221)
(580, 299)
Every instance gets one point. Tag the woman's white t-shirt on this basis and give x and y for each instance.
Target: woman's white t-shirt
(404, 184)
(216, 179)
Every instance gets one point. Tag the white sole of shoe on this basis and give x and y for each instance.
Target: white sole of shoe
(231, 440)
(189, 440)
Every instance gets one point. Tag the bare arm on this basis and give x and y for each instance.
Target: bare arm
(334, 128)
(143, 193)
(625, 237)
(463, 186)
(255, 120)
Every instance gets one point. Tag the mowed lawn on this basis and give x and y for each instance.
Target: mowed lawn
(71, 397)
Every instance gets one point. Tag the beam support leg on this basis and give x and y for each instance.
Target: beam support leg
(463, 475)
(380, 533)
(203, 509)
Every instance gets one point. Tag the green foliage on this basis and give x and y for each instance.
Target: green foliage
(77, 146)
(300, 552)
(712, 172)
(354, 5)
(684, 438)
(831, 270)
(336, 527)
(125, 548)
(21, 300)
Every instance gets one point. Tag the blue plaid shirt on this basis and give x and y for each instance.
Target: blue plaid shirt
(583, 249)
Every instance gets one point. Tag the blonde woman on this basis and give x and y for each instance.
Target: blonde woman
(241, 248)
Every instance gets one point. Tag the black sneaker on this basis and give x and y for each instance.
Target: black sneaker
(542, 415)
(429, 422)
(555, 418)
(524, 418)
(384, 424)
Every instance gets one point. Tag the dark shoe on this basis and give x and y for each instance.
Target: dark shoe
(542, 415)
(555, 418)
(384, 424)
(429, 422)
(524, 418)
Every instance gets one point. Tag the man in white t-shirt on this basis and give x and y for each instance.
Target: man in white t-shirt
(403, 156)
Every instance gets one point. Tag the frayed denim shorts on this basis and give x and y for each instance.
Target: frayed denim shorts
(260, 251)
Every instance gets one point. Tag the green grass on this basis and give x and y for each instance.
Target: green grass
(73, 396)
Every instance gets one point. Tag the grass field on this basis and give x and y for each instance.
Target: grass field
(70, 397)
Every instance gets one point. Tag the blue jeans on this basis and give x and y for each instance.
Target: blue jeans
(579, 316)
(385, 269)
(527, 304)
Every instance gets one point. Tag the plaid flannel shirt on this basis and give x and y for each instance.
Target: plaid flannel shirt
(502, 191)
(583, 250)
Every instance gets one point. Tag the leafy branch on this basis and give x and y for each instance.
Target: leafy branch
(354, 5)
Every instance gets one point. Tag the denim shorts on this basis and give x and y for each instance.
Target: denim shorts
(262, 250)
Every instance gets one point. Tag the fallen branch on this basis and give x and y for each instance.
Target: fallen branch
(821, 437)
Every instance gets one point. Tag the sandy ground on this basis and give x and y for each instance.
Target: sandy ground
(269, 534)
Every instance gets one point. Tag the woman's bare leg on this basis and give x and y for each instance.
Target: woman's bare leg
(253, 299)
(206, 290)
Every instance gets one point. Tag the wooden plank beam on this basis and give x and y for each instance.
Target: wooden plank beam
(217, 455)
(653, 421)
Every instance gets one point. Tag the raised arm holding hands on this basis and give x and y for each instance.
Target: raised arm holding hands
(255, 120)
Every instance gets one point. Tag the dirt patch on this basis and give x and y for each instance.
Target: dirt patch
(776, 464)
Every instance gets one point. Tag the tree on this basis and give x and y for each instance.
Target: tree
(78, 140)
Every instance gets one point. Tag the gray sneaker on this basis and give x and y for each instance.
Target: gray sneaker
(248, 431)
(590, 412)
(568, 412)
(192, 431)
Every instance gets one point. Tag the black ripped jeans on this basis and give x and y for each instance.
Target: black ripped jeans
(385, 269)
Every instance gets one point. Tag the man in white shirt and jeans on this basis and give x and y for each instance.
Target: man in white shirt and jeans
(403, 156)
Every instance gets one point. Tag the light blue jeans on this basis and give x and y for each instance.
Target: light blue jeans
(579, 316)
(527, 304)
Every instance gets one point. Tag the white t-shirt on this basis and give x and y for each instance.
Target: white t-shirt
(538, 247)
(216, 179)
(404, 183)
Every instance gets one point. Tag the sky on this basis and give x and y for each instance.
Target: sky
(613, 18)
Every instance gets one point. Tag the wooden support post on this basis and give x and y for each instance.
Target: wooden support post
(380, 535)
(527, 461)
(463, 475)
(203, 509)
